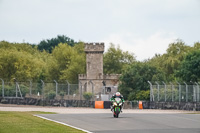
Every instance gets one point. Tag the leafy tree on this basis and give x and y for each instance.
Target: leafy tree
(139, 95)
(115, 60)
(170, 61)
(197, 46)
(19, 61)
(70, 61)
(134, 79)
(50, 44)
(190, 67)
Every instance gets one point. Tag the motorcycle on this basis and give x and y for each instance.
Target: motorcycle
(117, 106)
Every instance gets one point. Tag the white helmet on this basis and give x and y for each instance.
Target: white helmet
(117, 94)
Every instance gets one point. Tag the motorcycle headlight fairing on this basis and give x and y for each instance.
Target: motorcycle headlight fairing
(115, 103)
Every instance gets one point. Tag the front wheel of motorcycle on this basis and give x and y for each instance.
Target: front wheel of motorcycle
(117, 115)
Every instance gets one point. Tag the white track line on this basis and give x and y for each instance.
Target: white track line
(63, 123)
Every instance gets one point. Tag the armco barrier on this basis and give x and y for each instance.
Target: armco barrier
(107, 104)
(102, 104)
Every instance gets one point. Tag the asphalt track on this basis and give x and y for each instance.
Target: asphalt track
(131, 122)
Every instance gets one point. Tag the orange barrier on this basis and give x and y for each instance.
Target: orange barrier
(140, 105)
(99, 104)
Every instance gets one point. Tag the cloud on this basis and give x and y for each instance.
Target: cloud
(143, 48)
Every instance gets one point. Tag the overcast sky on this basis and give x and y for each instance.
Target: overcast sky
(143, 27)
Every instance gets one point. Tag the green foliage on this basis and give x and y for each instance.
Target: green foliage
(24, 90)
(139, 95)
(24, 62)
(170, 62)
(20, 61)
(9, 90)
(190, 67)
(115, 60)
(71, 61)
(51, 94)
(87, 95)
(50, 44)
(62, 94)
(135, 78)
(64, 60)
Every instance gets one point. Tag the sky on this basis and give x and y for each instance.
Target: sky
(142, 27)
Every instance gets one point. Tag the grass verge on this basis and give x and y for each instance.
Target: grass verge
(25, 122)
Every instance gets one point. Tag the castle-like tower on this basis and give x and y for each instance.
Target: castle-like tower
(94, 70)
(94, 59)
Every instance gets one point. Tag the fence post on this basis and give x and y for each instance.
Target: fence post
(42, 91)
(92, 89)
(165, 89)
(179, 89)
(30, 89)
(186, 87)
(68, 85)
(56, 87)
(15, 87)
(151, 92)
(172, 91)
(158, 92)
(80, 90)
(2, 87)
(197, 99)
(194, 92)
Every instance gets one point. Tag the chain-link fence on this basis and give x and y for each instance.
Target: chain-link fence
(161, 92)
(54, 90)
(40, 90)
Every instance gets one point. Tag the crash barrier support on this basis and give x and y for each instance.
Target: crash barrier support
(140, 105)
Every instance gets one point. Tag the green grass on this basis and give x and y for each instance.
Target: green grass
(25, 122)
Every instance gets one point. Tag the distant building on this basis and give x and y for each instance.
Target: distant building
(94, 71)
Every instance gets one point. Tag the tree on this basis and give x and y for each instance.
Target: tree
(70, 61)
(190, 67)
(134, 79)
(19, 61)
(50, 44)
(170, 61)
(115, 60)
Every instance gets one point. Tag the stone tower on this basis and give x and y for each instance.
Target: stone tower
(94, 60)
(94, 70)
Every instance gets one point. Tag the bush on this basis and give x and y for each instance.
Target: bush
(139, 95)
(10, 90)
(62, 93)
(87, 95)
(51, 95)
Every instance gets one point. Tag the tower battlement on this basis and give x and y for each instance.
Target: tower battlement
(94, 47)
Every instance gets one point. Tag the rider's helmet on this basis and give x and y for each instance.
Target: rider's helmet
(117, 94)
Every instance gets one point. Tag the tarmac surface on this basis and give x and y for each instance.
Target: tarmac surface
(130, 121)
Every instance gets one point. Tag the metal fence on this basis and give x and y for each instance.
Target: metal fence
(174, 92)
(42, 90)
(52, 90)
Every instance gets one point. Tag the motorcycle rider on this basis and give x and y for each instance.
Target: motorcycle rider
(116, 95)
